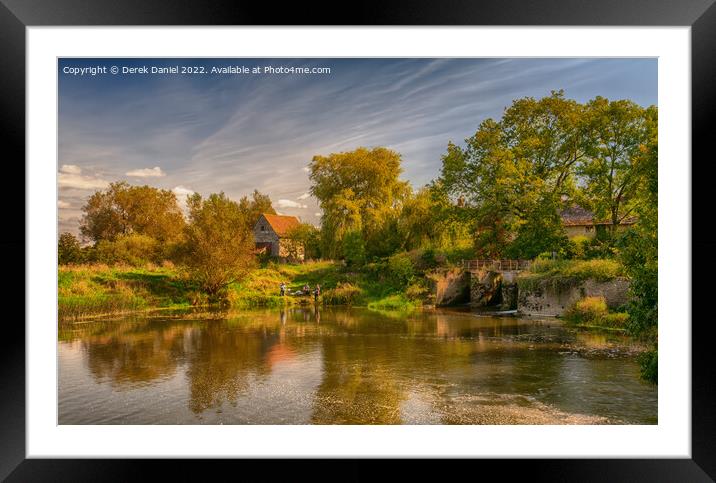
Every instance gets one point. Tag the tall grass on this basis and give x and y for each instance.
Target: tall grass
(566, 273)
(593, 311)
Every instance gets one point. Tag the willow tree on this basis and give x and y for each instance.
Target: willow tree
(219, 246)
(357, 192)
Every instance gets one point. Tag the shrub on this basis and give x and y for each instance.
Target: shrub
(354, 249)
(401, 270)
(649, 365)
(134, 249)
(343, 294)
(587, 310)
(393, 302)
(69, 250)
(416, 291)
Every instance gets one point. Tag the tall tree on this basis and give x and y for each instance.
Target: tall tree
(254, 207)
(69, 249)
(219, 243)
(619, 129)
(640, 249)
(122, 209)
(357, 190)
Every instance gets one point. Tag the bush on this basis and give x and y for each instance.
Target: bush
(416, 292)
(343, 294)
(393, 302)
(69, 250)
(134, 249)
(354, 249)
(649, 365)
(588, 310)
(401, 270)
(594, 311)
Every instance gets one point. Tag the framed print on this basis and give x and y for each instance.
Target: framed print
(430, 234)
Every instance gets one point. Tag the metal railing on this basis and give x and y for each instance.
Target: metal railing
(496, 265)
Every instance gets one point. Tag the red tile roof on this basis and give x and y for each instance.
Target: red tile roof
(281, 224)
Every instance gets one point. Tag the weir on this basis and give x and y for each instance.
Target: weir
(494, 282)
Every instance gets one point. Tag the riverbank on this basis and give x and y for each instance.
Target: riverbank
(87, 291)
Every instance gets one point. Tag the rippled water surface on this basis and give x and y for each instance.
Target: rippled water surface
(347, 366)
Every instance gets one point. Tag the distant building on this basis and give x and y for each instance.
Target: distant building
(270, 234)
(579, 221)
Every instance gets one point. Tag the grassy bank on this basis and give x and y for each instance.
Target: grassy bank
(86, 291)
(567, 273)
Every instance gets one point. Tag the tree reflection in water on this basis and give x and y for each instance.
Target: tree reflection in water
(354, 366)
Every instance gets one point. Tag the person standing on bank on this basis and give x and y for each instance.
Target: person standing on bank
(316, 293)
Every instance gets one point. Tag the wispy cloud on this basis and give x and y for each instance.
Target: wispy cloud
(70, 176)
(155, 172)
(222, 133)
(289, 204)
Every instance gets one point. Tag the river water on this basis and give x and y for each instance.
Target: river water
(347, 366)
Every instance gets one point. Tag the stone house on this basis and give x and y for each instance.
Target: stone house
(579, 221)
(270, 235)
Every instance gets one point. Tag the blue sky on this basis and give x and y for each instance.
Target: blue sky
(235, 132)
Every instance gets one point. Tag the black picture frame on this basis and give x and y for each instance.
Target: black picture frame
(700, 15)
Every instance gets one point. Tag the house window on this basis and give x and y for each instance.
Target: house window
(263, 228)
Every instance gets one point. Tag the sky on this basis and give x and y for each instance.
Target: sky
(236, 131)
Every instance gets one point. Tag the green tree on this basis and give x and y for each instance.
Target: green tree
(122, 209)
(619, 130)
(354, 249)
(254, 207)
(307, 237)
(357, 191)
(219, 246)
(639, 250)
(69, 250)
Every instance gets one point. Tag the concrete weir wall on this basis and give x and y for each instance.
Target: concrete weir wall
(491, 288)
(548, 300)
(449, 287)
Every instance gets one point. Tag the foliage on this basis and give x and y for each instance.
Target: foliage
(306, 237)
(649, 363)
(219, 246)
(565, 273)
(122, 209)
(397, 302)
(639, 252)
(344, 294)
(514, 176)
(254, 207)
(69, 250)
(90, 290)
(356, 190)
(400, 270)
(132, 249)
(588, 309)
(354, 249)
(619, 130)
(593, 311)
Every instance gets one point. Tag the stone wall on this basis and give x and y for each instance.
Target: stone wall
(485, 288)
(548, 300)
(449, 287)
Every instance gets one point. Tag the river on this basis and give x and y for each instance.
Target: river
(347, 366)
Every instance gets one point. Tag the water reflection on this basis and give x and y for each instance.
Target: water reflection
(337, 366)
